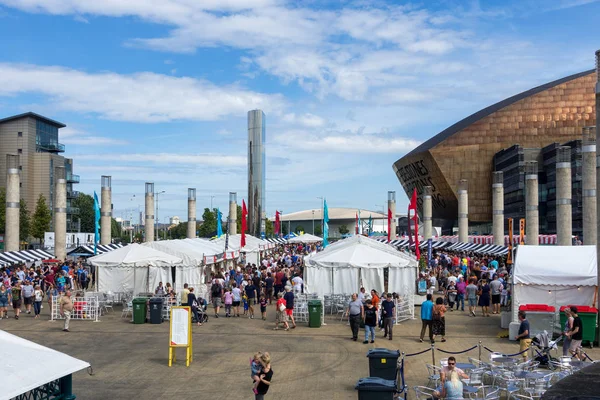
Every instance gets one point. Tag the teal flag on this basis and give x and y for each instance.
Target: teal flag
(325, 224)
(219, 227)
(370, 224)
(96, 222)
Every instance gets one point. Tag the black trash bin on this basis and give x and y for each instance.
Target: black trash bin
(156, 304)
(383, 363)
(375, 389)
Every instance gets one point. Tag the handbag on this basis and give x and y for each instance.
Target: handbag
(282, 307)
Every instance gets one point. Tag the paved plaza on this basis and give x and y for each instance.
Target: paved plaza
(130, 361)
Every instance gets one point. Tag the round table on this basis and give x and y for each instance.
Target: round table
(579, 364)
(465, 366)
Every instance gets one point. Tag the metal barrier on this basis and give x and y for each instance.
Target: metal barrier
(405, 308)
(84, 308)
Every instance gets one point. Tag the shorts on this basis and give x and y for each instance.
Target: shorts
(28, 301)
(263, 309)
(289, 311)
(16, 303)
(216, 301)
(575, 344)
(236, 304)
(495, 299)
(523, 345)
(3, 303)
(472, 302)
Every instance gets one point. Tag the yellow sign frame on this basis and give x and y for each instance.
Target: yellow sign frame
(173, 345)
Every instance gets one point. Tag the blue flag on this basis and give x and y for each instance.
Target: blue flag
(219, 227)
(325, 224)
(96, 222)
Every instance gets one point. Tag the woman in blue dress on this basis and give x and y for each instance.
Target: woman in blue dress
(484, 298)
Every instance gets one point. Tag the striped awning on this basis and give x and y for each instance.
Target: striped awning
(23, 256)
(276, 240)
(89, 250)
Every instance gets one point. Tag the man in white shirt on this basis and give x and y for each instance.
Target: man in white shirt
(298, 282)
(361, 295)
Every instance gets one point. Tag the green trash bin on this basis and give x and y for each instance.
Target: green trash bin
(139, 310)
(589, 319)
(314, 313)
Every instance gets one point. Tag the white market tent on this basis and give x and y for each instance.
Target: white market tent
(214, 252)
(343, 266)
(252, 248)
(305, 238)
(27, 365)
(554, 275)
(191, 269)
(134, 268)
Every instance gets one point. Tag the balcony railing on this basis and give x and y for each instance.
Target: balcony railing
(72, 194)
(72, 210)
(72, 178)
(51, 147)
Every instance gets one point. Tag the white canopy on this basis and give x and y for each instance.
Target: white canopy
(189, 254)
(345, 266)
(555, 275)
(305, 238)
(27, 365)
(135, 255)
(253, 244)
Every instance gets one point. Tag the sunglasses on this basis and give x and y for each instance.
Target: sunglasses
(451, 363)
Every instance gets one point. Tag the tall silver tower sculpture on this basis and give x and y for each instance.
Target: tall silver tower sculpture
(256, 172)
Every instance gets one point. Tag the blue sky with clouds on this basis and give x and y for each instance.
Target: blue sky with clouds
(159, 90)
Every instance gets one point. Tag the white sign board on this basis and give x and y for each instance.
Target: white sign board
(180, 327)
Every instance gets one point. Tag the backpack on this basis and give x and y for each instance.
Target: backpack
(216, 290)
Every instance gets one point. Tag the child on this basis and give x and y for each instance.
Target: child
(370, 322)
(263, 307)
(255, 367)
(228, 302)
(245, 300)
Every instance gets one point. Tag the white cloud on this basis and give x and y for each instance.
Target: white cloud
(307, 120)
(215, 160)
(140, 97)
(74, 136)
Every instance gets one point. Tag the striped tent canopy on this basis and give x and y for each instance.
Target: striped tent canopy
(23, 256)
(86, 251)
(444, 244)
(276, 240)
(489, 239)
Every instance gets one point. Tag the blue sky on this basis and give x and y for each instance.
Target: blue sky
(159, 90)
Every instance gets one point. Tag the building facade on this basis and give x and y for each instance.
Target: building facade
(554, 112)
(256, 173)
(35, 139)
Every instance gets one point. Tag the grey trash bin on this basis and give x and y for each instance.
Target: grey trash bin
(156, 304)
(372, 388)
(383, 363)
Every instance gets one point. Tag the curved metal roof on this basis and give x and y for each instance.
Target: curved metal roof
(471, 119)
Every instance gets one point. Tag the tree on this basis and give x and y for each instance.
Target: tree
(24, 221)
(2, 210)
(85, 204)
(238, 221)
(299, 229)
(269, 228)
(318, 230)
(115, 228)
(209, 225)
(41, 219)
(343, 229)
(179, 231)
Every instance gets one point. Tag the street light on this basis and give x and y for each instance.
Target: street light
(156, 194)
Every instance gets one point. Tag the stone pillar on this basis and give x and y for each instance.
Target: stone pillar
(105, 210)
(149, 210)
(564, 216)
(463, 211)
(392, 208)
(232, 228)
(498, 207)
(13, 198)
(191, 225)
(532, 213)
(427, 213)
(588, 172)
(60, 214)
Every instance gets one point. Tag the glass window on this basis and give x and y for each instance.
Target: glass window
(20, 134)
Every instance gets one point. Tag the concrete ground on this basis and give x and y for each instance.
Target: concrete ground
(131, 361)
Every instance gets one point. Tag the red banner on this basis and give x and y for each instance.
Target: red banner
(244, 227)
(415, 218)
(390, 225)
(356, 227)
(277, 223)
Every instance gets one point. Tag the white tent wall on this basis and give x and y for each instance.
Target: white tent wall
(372, 278)
(122, 279)
(402, 280)
(158, 274)
(253, 257)
(318, 280)
(345, 280)
(187, 275)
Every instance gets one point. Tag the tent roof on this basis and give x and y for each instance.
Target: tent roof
(20, 374)
(135, 255)
(178, 248)
(252, 243)
(360, 251)
(305, 238)
(556, 265)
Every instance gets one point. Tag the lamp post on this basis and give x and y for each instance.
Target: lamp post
(156, 194)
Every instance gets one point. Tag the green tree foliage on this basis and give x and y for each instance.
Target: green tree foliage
(209, 225)
(24, 221)
(318, 230)
(41, 219)
(2, 210)
(179, 231)
(115, 228)
(85, 204)
(269, 228)
(299, 229)
(343, 229)
(238, 221)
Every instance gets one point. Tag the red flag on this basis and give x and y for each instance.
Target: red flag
(389, 224)
(244, 215)
(413, 206)
(277, 222)
(356, 227)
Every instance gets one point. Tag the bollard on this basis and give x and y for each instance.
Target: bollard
(433, 353)
(479, 345)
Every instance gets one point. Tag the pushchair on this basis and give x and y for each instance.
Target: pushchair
(543, 346)
(200, 315)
